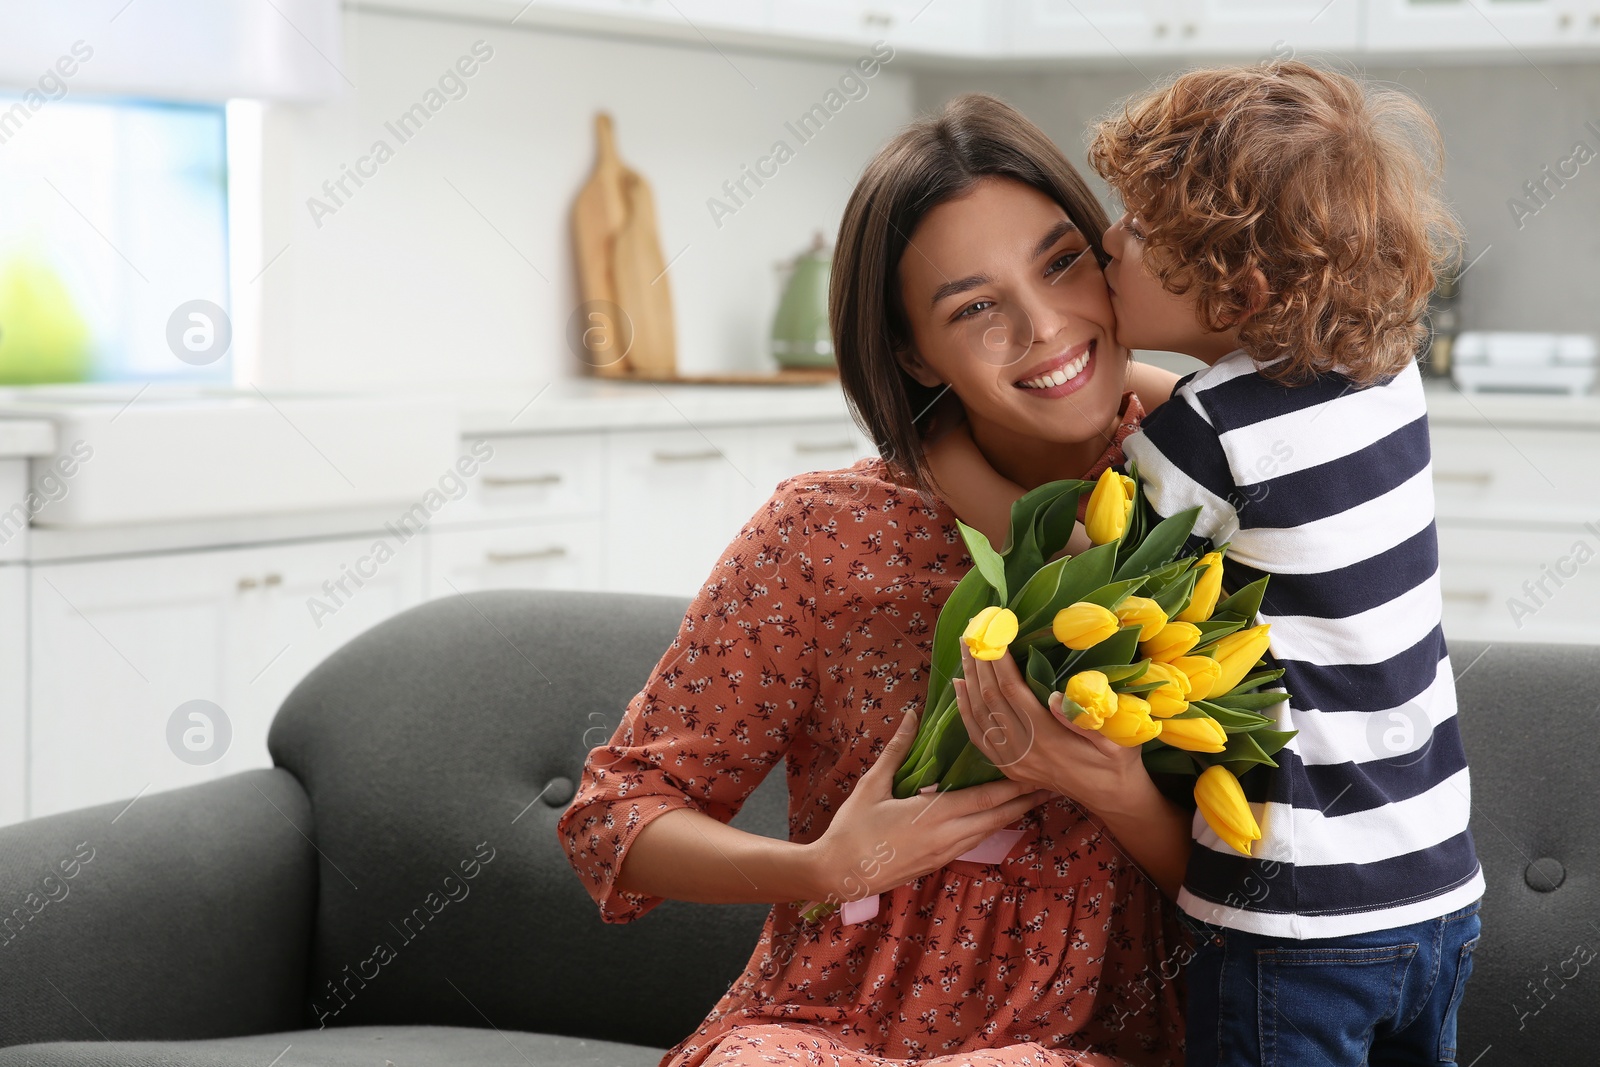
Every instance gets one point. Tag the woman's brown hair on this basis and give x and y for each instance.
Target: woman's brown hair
(1327, 186)
(936, 159)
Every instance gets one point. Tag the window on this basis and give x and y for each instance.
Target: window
(113, 217)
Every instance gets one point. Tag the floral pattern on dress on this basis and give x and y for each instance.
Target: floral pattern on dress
(808, 644)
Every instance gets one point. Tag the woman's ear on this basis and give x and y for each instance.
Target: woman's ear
(912, 363)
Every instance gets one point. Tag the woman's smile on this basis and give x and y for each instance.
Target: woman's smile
(1062, 375)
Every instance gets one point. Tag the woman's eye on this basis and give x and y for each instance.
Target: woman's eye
(1063, 261)
(974, 309)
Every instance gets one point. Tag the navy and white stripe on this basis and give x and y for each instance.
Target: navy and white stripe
(1328, 488)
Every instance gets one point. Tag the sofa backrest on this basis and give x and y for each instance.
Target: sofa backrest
(439, 749)
(1528, 717)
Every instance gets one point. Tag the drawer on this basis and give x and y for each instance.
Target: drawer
(533, 477)
(1516, 473)
(781, 451)
(540, 555)
(1527, 584)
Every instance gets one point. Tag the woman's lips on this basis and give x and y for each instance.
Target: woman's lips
(1072, 384)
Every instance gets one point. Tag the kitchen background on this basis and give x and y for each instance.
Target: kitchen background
(271, 383)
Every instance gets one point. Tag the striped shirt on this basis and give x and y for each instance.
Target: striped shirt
(1328, 488)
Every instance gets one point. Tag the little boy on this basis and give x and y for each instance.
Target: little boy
(1284, 224)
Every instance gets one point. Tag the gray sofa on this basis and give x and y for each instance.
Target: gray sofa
(420, 772)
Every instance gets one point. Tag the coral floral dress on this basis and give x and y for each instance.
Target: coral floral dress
(810, 640)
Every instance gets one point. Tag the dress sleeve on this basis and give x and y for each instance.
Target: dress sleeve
(721, 707)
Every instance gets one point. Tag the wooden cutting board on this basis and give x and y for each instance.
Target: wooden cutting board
(597, 215)
(620, 263)
(640, 275)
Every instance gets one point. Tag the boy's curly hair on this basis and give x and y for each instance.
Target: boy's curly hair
(1327, 186)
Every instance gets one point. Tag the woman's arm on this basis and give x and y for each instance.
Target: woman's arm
(687, 855)
(1151, 384)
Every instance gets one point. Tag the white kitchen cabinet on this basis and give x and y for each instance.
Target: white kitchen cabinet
(1259, 29)
(1520, 583)
(13, 694)
(940, 27)
(714, 14)
(1504, 471)
(1089, 28)
(674, 499)
(534, 476)
(118, 645)
(1480, 25)
(557, 554)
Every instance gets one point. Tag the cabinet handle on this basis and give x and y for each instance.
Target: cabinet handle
(1473, 596)
(878, 18)
(532, 479)
(685, 457)
(552, 552)
(272, 579)
(804, 447)
(1480, 478)
(1161, 29)
(247, 583)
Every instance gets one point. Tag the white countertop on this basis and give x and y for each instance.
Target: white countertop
(20, 438)
(570, 405)
(1449, 406)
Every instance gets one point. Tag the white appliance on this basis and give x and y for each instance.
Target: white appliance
(1524, 362)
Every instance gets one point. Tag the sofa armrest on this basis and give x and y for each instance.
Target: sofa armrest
(186, 914)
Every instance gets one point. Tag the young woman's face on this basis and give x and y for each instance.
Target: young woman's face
(1007, 306)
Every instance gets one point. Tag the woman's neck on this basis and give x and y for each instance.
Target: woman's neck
(1029, 462)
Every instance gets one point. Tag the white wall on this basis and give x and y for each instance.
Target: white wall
(1501, 124)
(407, 284)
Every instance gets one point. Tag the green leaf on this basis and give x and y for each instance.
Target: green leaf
(1118, 649)
(1244, 749)
(1160, 544)
(1272, 740)
(1027, 509)
(984, 559)
(1164, 759)
(1213, 631)
(1139, 688)
(1232, 719)
(1126, 673)
(971, 595)
(1175, 596)
(1053, 526)
(1244, 604)
(1241, 701)
(1074, 578)
(971, 767)
(1041, 675)
(1111, 596)
(1255, 680)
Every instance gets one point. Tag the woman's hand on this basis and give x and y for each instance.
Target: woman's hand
(1033, 746)
(877, 841)
(1038, 746)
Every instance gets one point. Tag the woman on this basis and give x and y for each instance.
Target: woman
(976, 345)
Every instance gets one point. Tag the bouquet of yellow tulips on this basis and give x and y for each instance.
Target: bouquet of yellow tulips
(1143, 646)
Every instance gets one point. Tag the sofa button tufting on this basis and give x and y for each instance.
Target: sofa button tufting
(1544, 875)
(558, 791)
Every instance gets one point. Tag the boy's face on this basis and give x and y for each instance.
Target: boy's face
(1148, 316)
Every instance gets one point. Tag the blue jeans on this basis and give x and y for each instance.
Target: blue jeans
(1386, 997)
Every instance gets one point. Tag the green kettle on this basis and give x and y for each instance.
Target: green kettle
(800, 336)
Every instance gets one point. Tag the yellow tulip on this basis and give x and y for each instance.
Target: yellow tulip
(1083, 625)
(1194, 735)
(1237, 653)
(1202, 672)
(1171, 641)
(991, 632)
(1172, 698)
(1132, 725)
(1144, 613)
(1091, 691)
(1110, 506)
(1226, 811)
(1207, 588)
